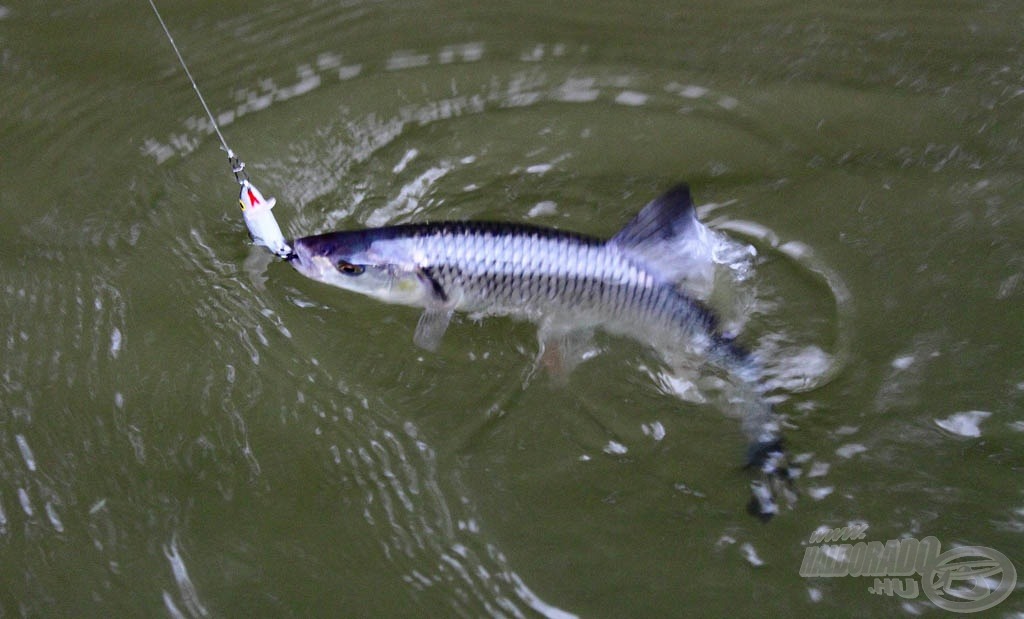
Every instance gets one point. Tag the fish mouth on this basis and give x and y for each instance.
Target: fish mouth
(300, 258)
(305, 259)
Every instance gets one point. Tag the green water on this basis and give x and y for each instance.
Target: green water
(187, 430)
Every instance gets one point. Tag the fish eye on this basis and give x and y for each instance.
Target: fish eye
(350, 269)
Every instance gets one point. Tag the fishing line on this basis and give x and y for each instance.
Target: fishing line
(255, 208)
(188, 74)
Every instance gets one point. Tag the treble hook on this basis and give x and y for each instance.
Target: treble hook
(237, 168)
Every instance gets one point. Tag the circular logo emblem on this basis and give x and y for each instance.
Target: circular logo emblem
(969, 579)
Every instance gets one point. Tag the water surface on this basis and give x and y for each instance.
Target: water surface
(189, 429)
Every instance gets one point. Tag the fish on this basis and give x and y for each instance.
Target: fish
(643, 283)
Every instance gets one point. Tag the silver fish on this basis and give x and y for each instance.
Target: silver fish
(569, 284)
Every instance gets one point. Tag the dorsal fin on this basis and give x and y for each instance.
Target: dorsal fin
(669, 215)
(667, 240)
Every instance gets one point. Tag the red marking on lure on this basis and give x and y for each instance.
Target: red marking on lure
(252, 198)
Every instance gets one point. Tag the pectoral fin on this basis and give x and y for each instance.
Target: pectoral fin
(431, 327)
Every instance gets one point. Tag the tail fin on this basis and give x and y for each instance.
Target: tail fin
(777, 477)
(766, 454)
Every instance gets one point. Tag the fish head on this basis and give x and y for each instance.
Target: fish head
(356, 261)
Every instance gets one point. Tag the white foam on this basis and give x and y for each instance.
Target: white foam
(631, 98)
(750, 554)
(691, 91)
(819, 469)
(654, 430)
(546, 207)
(820, 492)
(728, 103)
(115, 342)
(615, 448)
(902, 363)
(407, 60)
(349, 71)
(26, 502)
(409, 155)
(965, 423)
(577, 90)
(850, 450)
(51, 513)
(26, 452)
(186, 587)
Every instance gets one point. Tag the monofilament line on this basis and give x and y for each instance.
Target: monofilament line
(188, 73)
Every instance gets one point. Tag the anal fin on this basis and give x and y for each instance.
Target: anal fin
(562, 350)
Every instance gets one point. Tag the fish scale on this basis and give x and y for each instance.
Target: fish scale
(549, 275)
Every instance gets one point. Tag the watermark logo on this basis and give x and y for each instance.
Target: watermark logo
(963, 580)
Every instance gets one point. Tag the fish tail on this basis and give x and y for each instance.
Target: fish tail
(766, 456)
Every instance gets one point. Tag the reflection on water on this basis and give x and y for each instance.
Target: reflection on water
(189, 428)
